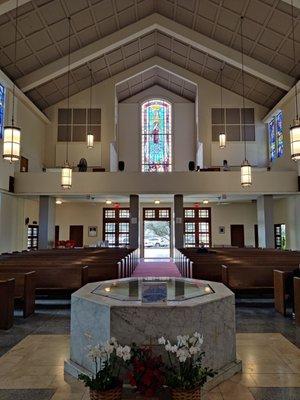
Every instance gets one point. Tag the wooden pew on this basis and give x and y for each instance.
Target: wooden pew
(280, 289)
(297, 300)
(24, 289)
(7, 303)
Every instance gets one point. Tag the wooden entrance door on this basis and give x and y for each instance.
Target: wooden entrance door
(237, 235)
(76, 234)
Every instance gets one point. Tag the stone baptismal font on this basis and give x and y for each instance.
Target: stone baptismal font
(141, 310)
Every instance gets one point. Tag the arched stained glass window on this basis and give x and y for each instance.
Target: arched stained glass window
(156, 136)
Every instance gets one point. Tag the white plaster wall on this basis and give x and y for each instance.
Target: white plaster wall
(104, 98)
(12, 223)
(33, 130)
(208, 97)
(286, 212)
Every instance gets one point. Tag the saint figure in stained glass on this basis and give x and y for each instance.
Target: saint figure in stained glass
(156, 136)
(279, 134)
(2, 106)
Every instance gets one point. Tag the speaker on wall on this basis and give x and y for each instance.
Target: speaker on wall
(121, 165)
(191, 166)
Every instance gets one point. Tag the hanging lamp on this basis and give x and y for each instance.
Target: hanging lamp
(222, 135)
(246, 170)
(11, 133)
(295, 127)
(89, 135)
(66, 172)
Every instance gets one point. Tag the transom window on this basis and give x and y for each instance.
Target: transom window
(116, 226)
(275, 128)
(197, 227)
(2, 109)
(156, 136)
(162, 214)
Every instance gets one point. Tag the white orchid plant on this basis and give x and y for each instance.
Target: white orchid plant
(108, 360)
(184, 370)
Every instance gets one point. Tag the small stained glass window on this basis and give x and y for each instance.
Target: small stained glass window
(2, 109)
(275, 128)
(279, 134)
(156, 136)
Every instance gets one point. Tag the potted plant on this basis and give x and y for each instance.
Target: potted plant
(105, 382)
(184, 372)
(146, 371)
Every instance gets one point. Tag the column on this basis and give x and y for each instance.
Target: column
(178, 226)
(134, 221)
(265, 221)
(47, 222)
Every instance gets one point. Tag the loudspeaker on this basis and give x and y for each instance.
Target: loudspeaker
(121, 165)
(11, 184)
(191, 166)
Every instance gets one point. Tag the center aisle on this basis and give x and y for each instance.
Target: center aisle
(156, 268)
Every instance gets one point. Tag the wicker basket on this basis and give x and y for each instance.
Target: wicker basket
(112, 394)
(193, 394)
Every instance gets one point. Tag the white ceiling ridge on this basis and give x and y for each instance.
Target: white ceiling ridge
(296, 3)
(146, 25)
(162, 69)
(8, 84)
(156, 62)
(290, 95)
(9, 5)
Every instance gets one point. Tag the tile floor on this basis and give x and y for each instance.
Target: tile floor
(33, 352)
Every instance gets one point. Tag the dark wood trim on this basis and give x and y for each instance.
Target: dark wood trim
(116, 220)
(197, 220)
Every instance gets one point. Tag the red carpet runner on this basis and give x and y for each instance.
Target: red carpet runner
(156, 268)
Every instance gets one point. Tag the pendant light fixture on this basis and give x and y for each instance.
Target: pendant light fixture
(89, 134)
(66, 172)
(11, 133)
(246, 172)
(222, 135)
(295, 127)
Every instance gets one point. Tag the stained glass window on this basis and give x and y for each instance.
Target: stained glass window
(156, 136)
(276, 136)
(272, 139)
(279, 134)
(2, 107)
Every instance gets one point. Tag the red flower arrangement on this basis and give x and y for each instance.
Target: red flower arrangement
(147, 371)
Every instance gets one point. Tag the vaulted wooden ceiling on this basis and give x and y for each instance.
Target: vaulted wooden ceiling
(198, 35)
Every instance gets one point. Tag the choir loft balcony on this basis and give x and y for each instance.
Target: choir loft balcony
(214, 182)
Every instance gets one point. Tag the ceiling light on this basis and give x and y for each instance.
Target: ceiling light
(58, 202)
(11, 133)
(66, 171)
(295, 128)
(246, 172)
(205, 201)
(222, 135)
(108, 202)
(157, 202)
(89, 134)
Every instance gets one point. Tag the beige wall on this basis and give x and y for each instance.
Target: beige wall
(13, 212)
(287, 106)
(79, 214)
(33, 129)
(183, 129)
(208, 97)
